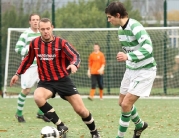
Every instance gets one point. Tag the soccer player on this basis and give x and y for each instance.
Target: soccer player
(96, 64)
(30, 77)
(56, 59)
(140, 66)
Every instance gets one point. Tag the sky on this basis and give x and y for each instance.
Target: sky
(172, 5)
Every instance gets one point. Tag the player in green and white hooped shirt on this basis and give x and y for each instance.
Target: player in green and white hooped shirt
(30, 77)
(140, 66)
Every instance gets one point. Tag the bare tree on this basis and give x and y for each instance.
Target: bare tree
(156, 9)
(173, 15)
(149, 9)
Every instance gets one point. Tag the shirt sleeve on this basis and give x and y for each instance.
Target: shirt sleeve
(103, 62)
(20, 47)
(90, 61)
(72, 55)
(27, 61)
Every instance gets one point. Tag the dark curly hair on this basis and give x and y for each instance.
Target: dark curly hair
(116, 7)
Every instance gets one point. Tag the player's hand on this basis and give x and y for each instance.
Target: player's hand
(88, 74)
(14, 80)
(101, 70)
(121, 57)
(72, 67)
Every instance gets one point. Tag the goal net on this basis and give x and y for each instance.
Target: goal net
(166, 52)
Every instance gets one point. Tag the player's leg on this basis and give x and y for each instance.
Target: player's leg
(135, 118)
(45, 91)
(25, 79)
(139, 124)
(126, 104)
(70, 93)
(93, 86)
(100, 84)
(32, 82)
(20, 104)
(143, 85)
(125, 115)
(79, 107)
(40, 115)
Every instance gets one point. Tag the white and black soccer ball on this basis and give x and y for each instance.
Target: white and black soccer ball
(49, 132)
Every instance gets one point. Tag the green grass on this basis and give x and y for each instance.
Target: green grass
(113, 91)
(161, 115)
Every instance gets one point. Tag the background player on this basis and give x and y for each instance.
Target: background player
(30, 77)
(96, 64)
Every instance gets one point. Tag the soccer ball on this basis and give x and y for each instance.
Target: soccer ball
(49, 132)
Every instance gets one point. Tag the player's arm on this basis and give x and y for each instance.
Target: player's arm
(25, 64)
(20, 47)
(103, 62)
(27, 61)
(14, 79)
(146, 49)
(101, 70)
(73, 56)
(90, 62)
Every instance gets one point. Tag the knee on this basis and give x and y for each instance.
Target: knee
(38, 96)
(26, 91)
(124, 106)
(100, 86)
(93, 86)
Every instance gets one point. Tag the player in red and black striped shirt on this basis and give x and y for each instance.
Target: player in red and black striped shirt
(56, 59)
(53, 58)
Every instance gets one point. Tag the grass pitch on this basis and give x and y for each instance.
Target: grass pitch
(161, 115)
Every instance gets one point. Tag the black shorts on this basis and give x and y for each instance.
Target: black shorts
(64, 87)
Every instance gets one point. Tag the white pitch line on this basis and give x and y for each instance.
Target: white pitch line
(107, 97)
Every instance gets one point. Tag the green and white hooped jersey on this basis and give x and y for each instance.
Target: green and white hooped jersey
(22, 45)
(137, 44)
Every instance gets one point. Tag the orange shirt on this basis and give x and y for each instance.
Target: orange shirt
(95, 61)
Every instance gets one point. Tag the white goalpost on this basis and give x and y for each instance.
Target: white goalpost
(166, 52)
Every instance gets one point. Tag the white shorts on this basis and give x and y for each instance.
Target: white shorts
(29, 78)
(138, 82)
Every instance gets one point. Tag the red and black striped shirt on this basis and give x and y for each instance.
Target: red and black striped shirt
(52, 58)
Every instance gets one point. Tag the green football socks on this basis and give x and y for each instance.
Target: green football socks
(136, 119)
(123, 124)
(40, 112)
(20, 104)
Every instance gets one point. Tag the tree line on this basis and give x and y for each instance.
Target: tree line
(84, 14)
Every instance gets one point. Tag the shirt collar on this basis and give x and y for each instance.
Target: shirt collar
(123, 27)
